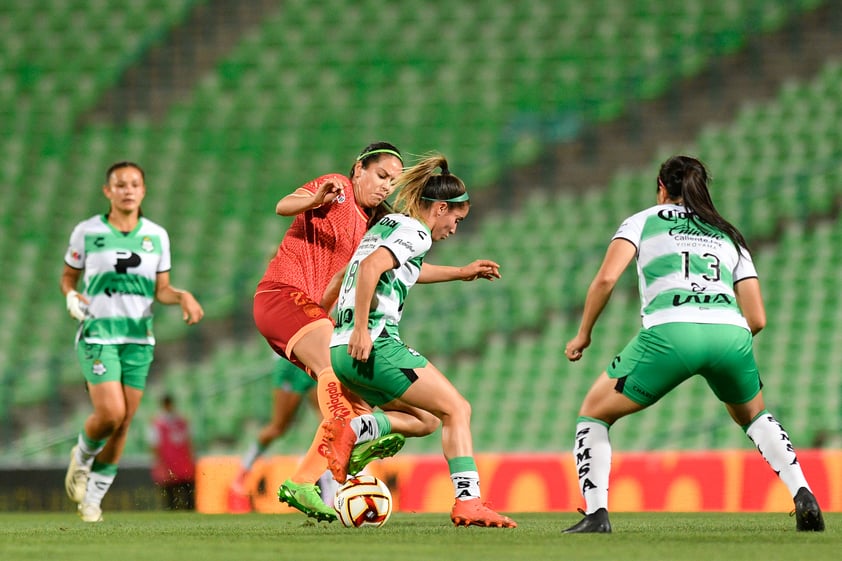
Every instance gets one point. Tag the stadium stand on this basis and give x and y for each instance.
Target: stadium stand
(282, 107)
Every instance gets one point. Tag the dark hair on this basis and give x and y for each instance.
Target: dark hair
(368, 155)
(420, 186)
(373, 152)
(687, 178)
(119, 165)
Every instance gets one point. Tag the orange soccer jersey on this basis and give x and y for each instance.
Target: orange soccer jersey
(319, 242)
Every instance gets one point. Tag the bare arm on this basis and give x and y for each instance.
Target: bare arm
(479, 269)
(332, 290)
(70, 280)
(302, 200)
(167, 294)
(76, 303)
(368, 273)
(750, 301)
(620, 253)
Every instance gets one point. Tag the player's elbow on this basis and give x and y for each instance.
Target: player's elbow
(756, 323)
(604, 282)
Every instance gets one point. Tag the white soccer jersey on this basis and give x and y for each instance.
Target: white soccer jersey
(409, 241)
(119, 279)
(686, 272)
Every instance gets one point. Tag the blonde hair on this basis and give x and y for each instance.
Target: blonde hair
(419, 187)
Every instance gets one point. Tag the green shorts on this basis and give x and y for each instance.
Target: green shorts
(289, 377)
(126, 363)
(387, 374)
(663, 356)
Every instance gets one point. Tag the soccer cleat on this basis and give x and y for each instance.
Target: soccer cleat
(327, 487)
(239, 501)
(306, 498)
(90, 512)
(377, 449)
(808, 515)
(340, 441)
(594, 523)
(473, 512)
(76, 479)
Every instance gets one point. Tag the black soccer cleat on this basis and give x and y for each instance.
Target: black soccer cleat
(594, 523)
(808, 515)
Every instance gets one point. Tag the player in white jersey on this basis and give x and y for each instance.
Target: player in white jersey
(125, 260)
(367, 353)
(700, 306)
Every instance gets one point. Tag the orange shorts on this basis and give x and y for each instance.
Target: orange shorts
(283, 314)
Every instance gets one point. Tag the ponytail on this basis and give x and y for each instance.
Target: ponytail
(687, 179)
(419, 187)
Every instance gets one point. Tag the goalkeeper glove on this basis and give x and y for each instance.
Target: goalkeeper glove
(75, 306)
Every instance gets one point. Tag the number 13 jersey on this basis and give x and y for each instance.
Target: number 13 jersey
(686, 268)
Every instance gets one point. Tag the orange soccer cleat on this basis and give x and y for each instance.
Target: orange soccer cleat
(239, 500)
(473, 512)
(340, 441)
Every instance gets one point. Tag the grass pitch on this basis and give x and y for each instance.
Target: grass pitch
(164, 536)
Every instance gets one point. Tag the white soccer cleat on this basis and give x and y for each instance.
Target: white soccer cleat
(76, 479)
(90, 512)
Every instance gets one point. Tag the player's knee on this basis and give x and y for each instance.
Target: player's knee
(110, 419)
(429, 423)
(458, 411)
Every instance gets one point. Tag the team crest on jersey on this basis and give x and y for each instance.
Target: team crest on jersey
(98, 368)
(147, 245)
(340, 198)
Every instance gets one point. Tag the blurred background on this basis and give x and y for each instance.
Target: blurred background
(557, 113)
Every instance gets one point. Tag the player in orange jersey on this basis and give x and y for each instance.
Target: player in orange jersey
(332, 212)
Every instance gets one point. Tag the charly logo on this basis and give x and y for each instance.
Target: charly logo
(98, 368)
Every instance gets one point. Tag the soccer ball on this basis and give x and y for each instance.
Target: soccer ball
(363, 500)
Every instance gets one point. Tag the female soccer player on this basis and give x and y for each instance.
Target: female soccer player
(125, 259)
(367, 353)
(700, 307)
(331, 215)
(290, 386)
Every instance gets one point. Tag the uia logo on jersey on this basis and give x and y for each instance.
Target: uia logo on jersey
(147, 245)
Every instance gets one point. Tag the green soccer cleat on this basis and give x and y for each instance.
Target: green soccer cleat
(377, 449)
(306, 498)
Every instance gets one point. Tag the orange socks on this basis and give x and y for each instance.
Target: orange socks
(334, 401)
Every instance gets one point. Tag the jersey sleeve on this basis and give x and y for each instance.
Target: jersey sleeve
(165, 263)
(407, 241)
(75, 255)
(631, 229)
(745, 266)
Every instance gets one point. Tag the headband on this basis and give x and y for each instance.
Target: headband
(379, 151)
(458, 199)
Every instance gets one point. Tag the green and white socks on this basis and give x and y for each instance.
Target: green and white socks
(370, 426)
(87, 449)
(465, 477)
(99, 482)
